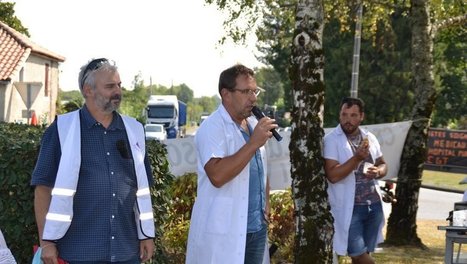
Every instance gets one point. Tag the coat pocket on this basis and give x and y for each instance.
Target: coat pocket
(220, 216)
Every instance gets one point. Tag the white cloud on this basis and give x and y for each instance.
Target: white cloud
(171, 41)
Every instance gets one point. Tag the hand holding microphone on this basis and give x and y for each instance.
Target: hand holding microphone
(259, 114)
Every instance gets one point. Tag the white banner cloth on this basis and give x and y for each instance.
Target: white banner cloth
(391, 136)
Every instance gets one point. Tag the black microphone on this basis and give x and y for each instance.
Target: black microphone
(259, 114)
(122, 148)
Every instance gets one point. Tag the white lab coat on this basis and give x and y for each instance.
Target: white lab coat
(342, 194)
(5, 254)
(219, 217)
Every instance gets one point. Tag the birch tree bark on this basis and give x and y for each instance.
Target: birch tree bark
(313, 219)
(402, 227)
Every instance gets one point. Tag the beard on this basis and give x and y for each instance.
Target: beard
(348, 128)
(109, 105)
(247, 114)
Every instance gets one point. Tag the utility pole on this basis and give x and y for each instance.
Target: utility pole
(356, 51)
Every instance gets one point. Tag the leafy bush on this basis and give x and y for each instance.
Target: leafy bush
(173, 199)
(282, 226)
(183, 193)
(160, 196)
(19, 149)
(19, 145)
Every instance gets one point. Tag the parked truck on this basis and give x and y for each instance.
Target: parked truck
(167, 110)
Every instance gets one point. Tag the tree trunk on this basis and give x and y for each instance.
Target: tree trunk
(402, 227)
(313, 220)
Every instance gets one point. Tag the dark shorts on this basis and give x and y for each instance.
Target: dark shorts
(364, 229)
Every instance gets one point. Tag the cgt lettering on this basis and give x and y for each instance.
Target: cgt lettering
(437, 160)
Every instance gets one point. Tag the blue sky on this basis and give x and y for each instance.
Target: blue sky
(167, 41)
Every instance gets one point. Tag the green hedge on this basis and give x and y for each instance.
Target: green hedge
(173, 199)
(282, 226)
(19, 148)
(19, 145)
(183, 193)
(161, 198)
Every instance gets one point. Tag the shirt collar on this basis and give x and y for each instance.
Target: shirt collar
(225, 115)
(89, 121)
(251, 120)
(339, 129)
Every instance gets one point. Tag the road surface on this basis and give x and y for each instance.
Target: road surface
(432, 204)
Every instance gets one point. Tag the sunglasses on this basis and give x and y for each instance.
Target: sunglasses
(92, 66)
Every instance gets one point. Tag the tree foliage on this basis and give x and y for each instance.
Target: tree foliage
(385, 74)
(183, 92)
(380, 56)
(201, 106)
(402, 228)
(450, 65)
(246, 11)
(69, 101)
(7, 15)
(274, 41)
(270, 80)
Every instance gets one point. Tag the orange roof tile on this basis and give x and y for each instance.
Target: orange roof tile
(15, 48)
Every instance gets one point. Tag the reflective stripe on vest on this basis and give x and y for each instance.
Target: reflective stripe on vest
(60, 214)
(58, 218)
(143, 206)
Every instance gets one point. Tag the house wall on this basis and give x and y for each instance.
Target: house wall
(44, 105)
(3, 90)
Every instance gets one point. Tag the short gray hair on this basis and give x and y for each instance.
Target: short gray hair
(88, 70)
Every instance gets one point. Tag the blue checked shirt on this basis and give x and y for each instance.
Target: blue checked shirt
(256, 192)
(103, 226)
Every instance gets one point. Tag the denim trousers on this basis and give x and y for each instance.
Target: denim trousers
(364, 228)
(255, 243)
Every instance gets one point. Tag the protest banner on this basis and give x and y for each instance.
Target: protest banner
(447, 150)
(391, 136)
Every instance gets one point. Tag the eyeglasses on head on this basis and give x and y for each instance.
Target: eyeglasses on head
(92, 66)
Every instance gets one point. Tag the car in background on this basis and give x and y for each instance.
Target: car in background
(155, 132)
(203, 117)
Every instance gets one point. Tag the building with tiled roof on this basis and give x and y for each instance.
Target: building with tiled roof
(29, 78)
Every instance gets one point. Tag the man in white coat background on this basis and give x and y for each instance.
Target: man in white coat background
(353, 163)
(229, 217)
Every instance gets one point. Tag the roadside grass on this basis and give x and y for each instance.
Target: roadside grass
(431, 237)
(444, 179)
(427, 230)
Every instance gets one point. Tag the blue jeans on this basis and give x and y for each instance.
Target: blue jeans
(255, 243)
(364, 228)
